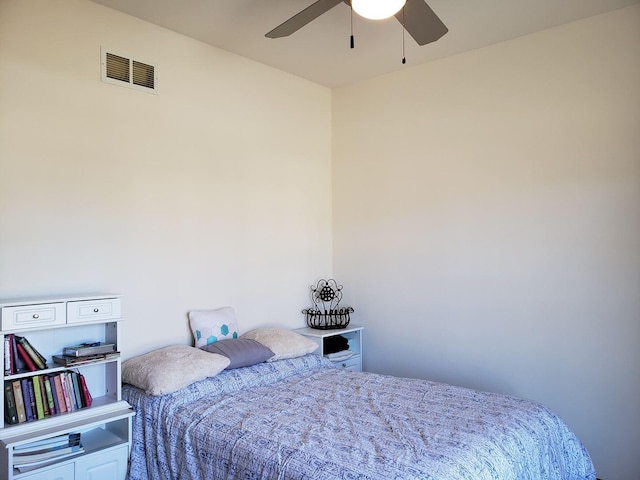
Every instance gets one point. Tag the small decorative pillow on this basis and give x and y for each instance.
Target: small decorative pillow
(243, 352)
(209, 326)
(283, 343)
(171, 368)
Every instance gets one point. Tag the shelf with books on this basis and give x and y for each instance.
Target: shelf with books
(105, 435)
(99, 378)
(100, 373)
(53, 392)
(38, 397)
(34, 455)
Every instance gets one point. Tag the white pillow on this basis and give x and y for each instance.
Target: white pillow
(283, 343)
(209, 326)
(171, 368)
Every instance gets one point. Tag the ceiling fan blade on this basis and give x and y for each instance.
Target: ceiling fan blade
(306, 16)
(421, 22)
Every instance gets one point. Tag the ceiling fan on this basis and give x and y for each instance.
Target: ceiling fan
(416, 17)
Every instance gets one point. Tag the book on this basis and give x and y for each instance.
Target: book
(8, 368)
(76, 389)
(43, 396)
(26, 358)
(35, 355)
(68, 384)
(65, 392)
(32, 465)
(71, 390)
(18, 364)
(61, 405)
(48, 445)
(73, 361)
(54, 396)
(17, 395)
(84, 349)
(10, 412)
(27, 395)
(87, 399)
(55, 452)
(55, 441)
(37, 396)
(49, 395)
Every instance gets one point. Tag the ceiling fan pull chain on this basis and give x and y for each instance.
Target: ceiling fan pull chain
(353, 43)
(404, 59)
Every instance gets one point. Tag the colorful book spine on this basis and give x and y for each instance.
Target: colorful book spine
(17, 395)
(26, 396)
(61, 403)
(37, 395)
(77, 391)
(43, 396)
(54, 395)
(36, 357)
(14, 355)
(65, 392)
(87, 399)
(26, 358)
(49, 395)
(10, 412)
(8, 368)
(38, 354)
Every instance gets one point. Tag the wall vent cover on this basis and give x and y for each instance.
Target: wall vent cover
(126, 72)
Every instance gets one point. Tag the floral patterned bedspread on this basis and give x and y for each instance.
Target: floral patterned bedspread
(302, 419)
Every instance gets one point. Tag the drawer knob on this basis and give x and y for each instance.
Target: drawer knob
(96, 310)
(36, 316)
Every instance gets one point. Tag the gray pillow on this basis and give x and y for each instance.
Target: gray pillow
(242, 352)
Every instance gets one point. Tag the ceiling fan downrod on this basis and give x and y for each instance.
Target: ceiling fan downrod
(353, 43)
(404, 59)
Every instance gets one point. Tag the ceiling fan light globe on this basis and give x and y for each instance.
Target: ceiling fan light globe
(377, 9)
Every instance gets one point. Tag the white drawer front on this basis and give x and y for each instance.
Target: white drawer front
(64, 472)
(32, 316)
(351, 364)
(108, 465)
(89, 310)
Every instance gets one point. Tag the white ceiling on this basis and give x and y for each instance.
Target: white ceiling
(320, 51)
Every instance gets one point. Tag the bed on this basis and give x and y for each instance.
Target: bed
(301, 418)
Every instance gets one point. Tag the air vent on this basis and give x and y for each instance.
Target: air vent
(124, 71)
(118, 67)
(143, 74)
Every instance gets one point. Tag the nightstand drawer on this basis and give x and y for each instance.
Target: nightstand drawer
(90, 310)
(353, 363)
(32, 316)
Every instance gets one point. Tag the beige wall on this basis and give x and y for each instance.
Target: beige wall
(486, 206)
(487, 224)
(216, 191)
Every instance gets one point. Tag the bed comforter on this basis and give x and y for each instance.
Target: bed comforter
(302, 419)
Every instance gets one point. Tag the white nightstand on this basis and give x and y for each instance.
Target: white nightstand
(353, 333)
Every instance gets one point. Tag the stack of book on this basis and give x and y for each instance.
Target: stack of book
(33, 455)
(42, 396)
(86, 353)
(21, 356)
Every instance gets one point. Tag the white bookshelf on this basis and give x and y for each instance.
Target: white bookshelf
(50, 324)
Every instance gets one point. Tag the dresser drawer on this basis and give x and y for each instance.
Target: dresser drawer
(353, 363)
(33, 316)
(90, 310)
(63, 472)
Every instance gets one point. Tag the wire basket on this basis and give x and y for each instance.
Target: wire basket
(326, 312)
(325, 320)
